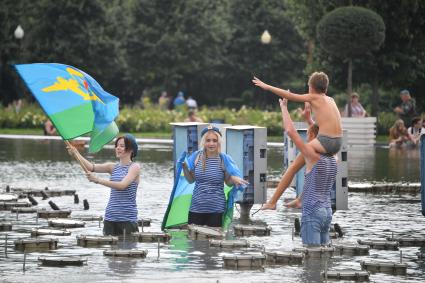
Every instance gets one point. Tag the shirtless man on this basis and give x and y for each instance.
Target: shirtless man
(327, 115)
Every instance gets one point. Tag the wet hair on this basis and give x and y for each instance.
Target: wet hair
(319, 81)
(129, 144)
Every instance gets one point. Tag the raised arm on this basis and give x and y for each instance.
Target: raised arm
(306, 113)
(99, 168)
(132, 175)
(306, 150)
(283, 93)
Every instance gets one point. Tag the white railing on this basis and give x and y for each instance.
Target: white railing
(360, 131)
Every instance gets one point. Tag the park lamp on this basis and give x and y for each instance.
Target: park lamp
(266, 38)
(19, 32)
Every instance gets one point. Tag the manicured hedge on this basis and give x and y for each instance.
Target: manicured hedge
(153, 119)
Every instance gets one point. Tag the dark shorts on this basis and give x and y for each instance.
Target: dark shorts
(208, 219)
(331, 144)
(117, 228)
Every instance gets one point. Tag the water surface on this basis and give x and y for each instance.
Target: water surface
(37, 164)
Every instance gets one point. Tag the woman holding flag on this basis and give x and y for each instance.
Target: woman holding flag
(121, 211)
(207, 168)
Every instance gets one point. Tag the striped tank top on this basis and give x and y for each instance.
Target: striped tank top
(317, 185)
(208, 194)
(122, 203)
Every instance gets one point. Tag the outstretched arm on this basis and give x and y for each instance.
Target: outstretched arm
(306, 150)
(132, 175)
(283, 93)
(285, 182)
(99, 168)
(235, 180)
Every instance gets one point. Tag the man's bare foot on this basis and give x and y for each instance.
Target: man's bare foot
(269, 206)
(296, 203)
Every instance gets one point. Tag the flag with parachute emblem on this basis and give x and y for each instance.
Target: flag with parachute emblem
(75, 103)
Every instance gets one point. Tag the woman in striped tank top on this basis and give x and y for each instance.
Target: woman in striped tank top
(208, 200)
(320, 176)
(121, 211)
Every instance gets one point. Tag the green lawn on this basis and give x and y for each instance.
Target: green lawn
(157, 135)
(21, 131)
(382, 139)
(152, 135)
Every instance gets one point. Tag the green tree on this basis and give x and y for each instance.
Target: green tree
(177, 45)
(10, 48)
(305, 15)
(277, 62)
(81, 33)
(350, 31)
(399, 63)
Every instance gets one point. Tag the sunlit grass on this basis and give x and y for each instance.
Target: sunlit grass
(21, 131)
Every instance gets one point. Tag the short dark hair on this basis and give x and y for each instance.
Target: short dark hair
(319, 81)
(415, 120)
(129, 144)
(314, 129)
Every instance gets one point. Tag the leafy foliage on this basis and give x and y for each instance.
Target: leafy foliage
(351, 31)
(208, 49)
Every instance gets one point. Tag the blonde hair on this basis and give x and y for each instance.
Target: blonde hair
(399, 123)
(319, 81)
(395, 130)
(202, 145)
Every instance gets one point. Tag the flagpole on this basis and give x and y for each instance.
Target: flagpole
(77, 157)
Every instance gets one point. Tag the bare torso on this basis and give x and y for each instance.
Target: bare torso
(327, 115)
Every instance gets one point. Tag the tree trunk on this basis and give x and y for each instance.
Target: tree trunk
(375, 96)
(310, 50)
(349, 86)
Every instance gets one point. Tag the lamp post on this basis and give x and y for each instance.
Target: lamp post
(19, 35)
(19, 32)
(266, 38)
